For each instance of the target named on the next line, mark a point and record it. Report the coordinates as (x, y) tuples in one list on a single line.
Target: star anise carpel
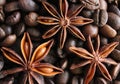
[(95, 56), (64, 19), (30, 63)]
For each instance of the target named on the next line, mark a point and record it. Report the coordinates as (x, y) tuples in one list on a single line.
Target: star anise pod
[(96, 56), (30, 62), (67, 19)]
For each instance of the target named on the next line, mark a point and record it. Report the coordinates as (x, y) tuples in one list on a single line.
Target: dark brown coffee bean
[(100, 81), (91, 30), (60, 53), (75, 80), (117, 39), (77, 71), (9, 40), (28, 5), (34, 33), (87, 13), (103, 4), (2, 15), (14, 18), (31, 18), (114, 9), (2, 2), (62, 78), (108, 31), (91, 4), (19, 29), (100, 17), (114, 20), (116, 54), (103, 40), (7, 29), (7, 80), (69, 43), (114, 71), (64, 63), (12, 6), (2, 33)]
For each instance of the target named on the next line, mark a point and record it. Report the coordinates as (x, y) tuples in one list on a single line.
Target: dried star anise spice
[(95, 57), (67, 19), (30, 63)]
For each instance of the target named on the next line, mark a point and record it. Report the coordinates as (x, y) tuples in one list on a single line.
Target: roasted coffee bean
[(70, 42), (87, 13), (2, 33), (108, 31), (75, 80), (34, 33), (12, 6), (2, 2), (28, 5), (77, 71), (14, 18), (90, 30), (114, 20), (60, 53), (31, 18), (103, 40), (100, 17), (64, 63), (114, 9), (7, 80), (2, 15), (62, 78), (19, 29), (116, 55), (103, 4), (9, 40), (117, 39), (73, 1), (114, 71), (91, 4), (100, 81), (7, 29)]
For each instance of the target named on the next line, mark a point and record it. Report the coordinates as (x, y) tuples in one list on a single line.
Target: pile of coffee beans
[(19, 16)]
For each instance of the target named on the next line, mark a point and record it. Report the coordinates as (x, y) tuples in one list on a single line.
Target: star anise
[(30, 62), (96, 56), (67, 19)]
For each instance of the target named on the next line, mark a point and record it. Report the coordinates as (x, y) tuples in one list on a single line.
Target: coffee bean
[(117, 39), (14, 18), (2, 15), (12, 6), (116, 55), (114, 20), (91, 4), (62, 78), (116, 82), (9, 40), (103, 40), (100, 17), (28, 5), (31, 18), (34, 33), (108, 31), (87, 13), (77, 71), (114, 9), (7, 29), (2, 33), (91, 30), (103, 4), (49, 81), (19, 29), (114, 71), (60, 53)]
